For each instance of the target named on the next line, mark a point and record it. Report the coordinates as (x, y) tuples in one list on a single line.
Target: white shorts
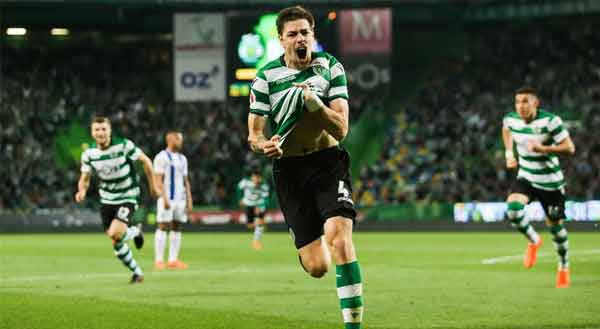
[(176, 211)]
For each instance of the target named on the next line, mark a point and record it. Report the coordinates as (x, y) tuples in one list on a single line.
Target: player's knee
[(555, 215), (315, 267), (515, 210)]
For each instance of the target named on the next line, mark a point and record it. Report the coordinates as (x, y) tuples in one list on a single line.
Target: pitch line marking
[(511, 258)]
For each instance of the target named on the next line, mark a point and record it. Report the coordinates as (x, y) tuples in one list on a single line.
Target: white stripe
[(134, 192), (261, 85), (350, 291), (260, 106), (347, 314), (279, 73), (562, 233), (336, 70), (562, 135), (289, 105), (544, 178), (124, 249), (343, 90), (554, 123)]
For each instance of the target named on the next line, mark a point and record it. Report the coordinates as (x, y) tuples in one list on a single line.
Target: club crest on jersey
[(320, 70)]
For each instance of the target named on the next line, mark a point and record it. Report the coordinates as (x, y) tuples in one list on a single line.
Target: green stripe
[(130, 153), (108, 156), (557, 131), (535, 158), (347, 274), (339, 81), (259, 112), (344, 96), (551, 185), (119, 179), (351, 302), (261, 97), (544, 171), (349, 325), (529, 130)]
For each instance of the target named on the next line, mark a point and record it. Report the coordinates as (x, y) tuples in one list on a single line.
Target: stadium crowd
[(446, 145)]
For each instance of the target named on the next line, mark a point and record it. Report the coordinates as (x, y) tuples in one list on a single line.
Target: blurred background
[(429, 83)]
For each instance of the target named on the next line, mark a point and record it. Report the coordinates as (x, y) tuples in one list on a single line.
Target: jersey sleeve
[(505, 122), (337, 85), (131, 150), (259, 95), (86, 165), (557, 129), (159, 164)]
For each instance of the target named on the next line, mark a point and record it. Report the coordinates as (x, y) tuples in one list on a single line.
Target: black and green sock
[(561, 242), (123, 252), (516, 215)]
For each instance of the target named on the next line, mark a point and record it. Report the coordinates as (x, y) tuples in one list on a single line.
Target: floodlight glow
[(16, 31)]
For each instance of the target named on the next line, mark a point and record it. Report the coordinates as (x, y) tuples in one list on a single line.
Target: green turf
[(411, 280)]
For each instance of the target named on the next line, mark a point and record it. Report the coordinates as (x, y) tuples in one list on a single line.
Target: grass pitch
[(411, 280)]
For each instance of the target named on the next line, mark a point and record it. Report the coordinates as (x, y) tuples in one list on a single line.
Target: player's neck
[(171, 149), (296, 64), (105, 145), (532, 116)]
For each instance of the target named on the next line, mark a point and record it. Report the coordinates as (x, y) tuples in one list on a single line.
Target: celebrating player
[(304, 95), (539, 137), (112, 161), (254, 197), (171, 176)]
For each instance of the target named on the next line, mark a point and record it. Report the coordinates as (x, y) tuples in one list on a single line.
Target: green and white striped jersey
[(114, 167), (541, 170), (252, 195), (273, 95)]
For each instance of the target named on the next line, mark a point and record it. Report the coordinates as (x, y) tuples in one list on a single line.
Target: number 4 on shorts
[(122, 214), (344, 193)]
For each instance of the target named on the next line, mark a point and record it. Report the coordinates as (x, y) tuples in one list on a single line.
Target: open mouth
[(301, 52)]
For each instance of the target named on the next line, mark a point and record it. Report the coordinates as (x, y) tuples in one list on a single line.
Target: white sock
[(258, 230), (131, 233), (532, 234), (160, 241), (175, 243)]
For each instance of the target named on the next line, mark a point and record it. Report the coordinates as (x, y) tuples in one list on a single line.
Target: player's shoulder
[(543, 114), (325, 57), (274, 64), (161, 154), (512, 115)]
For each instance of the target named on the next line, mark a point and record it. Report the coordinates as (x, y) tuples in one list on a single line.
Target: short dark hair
[(291, 14), (526, 90), (100, 119)]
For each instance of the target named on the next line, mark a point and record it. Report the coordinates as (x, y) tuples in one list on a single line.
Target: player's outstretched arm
[(147, 164), (257, 140), (82, 186), (334, 117), (511, 160)]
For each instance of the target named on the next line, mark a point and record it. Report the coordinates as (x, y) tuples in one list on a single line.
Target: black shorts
[(251, 214), (553, 202), (311, 189), (121, 212)]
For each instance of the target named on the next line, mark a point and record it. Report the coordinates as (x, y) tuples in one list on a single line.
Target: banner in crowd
[(199, 57), (496, 211), (365, 43), (230, 217)]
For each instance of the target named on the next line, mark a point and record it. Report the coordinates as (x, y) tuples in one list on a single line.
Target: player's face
[(297, 39), (101, 133), (175, 141), (256, 179), (526, 105)]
